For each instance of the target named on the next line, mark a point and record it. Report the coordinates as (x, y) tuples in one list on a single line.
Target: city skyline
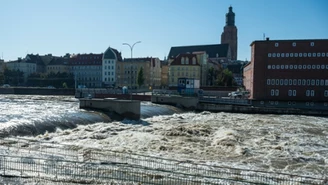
[(60, 27)]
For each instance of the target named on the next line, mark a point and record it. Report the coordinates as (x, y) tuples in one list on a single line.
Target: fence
[(25, 161)]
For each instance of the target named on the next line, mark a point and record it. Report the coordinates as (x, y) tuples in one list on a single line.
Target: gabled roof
[(177, 60), (212, 50), (112, 53)]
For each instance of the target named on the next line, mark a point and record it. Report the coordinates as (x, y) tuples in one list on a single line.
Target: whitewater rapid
[(278, 143)]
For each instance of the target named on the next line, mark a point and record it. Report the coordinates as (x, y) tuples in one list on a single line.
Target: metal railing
[(29, 161)]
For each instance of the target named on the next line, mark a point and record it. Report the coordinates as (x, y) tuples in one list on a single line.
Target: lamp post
[(131, 48)]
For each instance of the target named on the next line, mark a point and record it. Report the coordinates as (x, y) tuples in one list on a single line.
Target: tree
[(65, 85), (140, 79)]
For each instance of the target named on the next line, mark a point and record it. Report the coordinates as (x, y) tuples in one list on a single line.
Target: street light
[(131, 47)]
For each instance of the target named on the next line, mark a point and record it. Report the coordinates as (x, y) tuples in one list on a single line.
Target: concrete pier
[(126, 108)]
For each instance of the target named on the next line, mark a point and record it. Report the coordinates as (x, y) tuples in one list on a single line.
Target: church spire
[(230, 17)]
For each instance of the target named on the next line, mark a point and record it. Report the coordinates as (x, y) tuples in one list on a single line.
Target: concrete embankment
[(124, 108), (36, 91), (257, 110)]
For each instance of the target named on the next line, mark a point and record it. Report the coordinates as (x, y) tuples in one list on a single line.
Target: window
[(278, 66), (193, 60), (318, 66), (290, 92), (291, 54), (287, 54), (286, 82), (308, 82), (276, 44), (303, 82), (294, 92), (326, 82), (312, 92), (305, 54), (326, 93), (299, 82), (269, 54), (274, 55), (314, 54), (304, 66), (281, 82), (296, 54), (294, 44), (307, 92), (309, 66), (309, 54), (269, 66), (291, 67), (273, 67), (272, 92), (300, 54), (295, 66), (282, 66), (319, 54), (326, 66), (286, 66), (323, 54), (182, 60), (294, 82), (268, 81), (187, 60), (322, 66), (278, 54), (313, 66), (282, 54), (317, 82), (276, 92), (272, 82), (312, 43), (290, 82), (277, 81), (322, 82), (312, 82)]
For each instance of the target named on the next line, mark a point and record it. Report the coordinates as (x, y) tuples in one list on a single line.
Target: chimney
[(267, 38)]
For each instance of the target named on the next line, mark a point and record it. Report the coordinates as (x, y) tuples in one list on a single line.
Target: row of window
[(109, 79), (109, 62), (183, 68), (304, 66), (86, 67), (294, 103), (108, 73), (186, 60), (183, 74), (108, 67), (319, 54), (293, 44), (299, 82), (309, 93)]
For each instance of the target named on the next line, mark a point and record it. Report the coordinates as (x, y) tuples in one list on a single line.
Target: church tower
[(229, 34)]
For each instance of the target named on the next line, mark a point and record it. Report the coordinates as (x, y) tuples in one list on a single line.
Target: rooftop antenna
[(263, 36)]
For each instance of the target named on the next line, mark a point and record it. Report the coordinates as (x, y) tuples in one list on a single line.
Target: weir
[(126, 108)]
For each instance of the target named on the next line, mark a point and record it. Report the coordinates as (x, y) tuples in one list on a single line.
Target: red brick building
[(291, 71)]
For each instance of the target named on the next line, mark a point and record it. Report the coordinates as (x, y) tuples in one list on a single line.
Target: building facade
[(229, 35), (110, 65), (87, 69), (294, 71), (129, 68), (184, 66), (58, 65), (26, 66), (164, 73)]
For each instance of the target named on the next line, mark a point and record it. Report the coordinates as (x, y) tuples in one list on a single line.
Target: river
[(278, 143)]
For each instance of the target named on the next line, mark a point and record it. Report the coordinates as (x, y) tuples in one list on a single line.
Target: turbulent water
[(280, 143)]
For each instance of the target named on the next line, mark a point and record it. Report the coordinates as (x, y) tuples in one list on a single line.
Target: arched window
[(187, 60), (193, 60), (182, 60)]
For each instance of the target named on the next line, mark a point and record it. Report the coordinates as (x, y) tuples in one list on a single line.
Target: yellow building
[(58, 65), (184, 66), (127, 72)]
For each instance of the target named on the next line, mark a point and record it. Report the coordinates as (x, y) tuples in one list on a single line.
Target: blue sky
[(86, 26)]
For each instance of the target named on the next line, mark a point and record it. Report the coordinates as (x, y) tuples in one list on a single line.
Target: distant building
[(26, 66), (229, 35), (58, 65), (207, 56), (110, 65), (293, 72), (2, 66), (129, 68), (87, 69), (164, 73), (184, 66)]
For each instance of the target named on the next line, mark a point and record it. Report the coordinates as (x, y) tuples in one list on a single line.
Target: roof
[(177, 60), (211, 50), (112, 53), (35, 59), (289, 40), (144, 59), (58, 61)]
